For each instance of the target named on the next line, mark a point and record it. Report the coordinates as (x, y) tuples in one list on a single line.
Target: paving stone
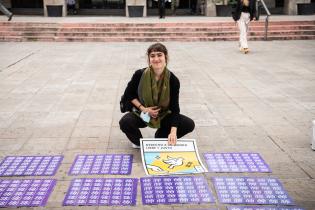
[(45, 145)]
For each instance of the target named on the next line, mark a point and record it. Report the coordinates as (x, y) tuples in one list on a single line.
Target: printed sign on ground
[(236, 162), (251, 190), (25, 192), (102, 192), (30, 165), (159, 158), (172, 190), (102, 164)]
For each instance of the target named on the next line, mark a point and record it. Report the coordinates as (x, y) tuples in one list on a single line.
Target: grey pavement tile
[(95, 118), (11, 145), (6, 118), (91, 131), (60, 118), (11, 104), (292, 142), (287, 170), (16, 132), (45, 145), (28, 118), (62, 172), (116, 133), (82, 143), (122, 144), (70, 103), (300, 190), (43, 101), (308, 167), (53, 131)]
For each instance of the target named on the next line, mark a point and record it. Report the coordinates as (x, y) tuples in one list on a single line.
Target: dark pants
[(130, 124), (193, 6), (71, 9), (5, 11), (162, 8)]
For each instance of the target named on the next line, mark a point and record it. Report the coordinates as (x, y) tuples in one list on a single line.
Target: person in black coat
[(161, 8), (244, 13), (154, 95)]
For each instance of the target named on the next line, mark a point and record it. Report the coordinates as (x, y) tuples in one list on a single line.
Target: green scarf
[(155, 93)]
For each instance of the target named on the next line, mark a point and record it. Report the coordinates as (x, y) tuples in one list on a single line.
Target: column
[(56, 2), (290, 6), (137, 3), (210, 8)]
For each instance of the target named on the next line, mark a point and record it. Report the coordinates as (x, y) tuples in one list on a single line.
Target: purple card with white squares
[(102, 164), (175, 189), (30, 165), (25, 192), (251, 190), (102, 192), (236, 162), (263, 208)]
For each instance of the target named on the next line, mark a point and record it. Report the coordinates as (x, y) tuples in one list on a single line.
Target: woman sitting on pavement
[(154, 92)]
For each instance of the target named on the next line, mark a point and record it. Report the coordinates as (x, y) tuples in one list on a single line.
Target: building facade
[(149, 7)]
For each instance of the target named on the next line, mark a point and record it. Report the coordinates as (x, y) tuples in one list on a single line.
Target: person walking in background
[(153, 93), (244, 13), (161, 8), (5, 11), (71, 7), (193, 7)]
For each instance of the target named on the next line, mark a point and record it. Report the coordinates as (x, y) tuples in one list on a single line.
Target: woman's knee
[(190, 125), (124, 123), (187, 124)]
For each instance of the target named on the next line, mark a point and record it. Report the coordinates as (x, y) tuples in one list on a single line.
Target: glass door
[(27, 3), (181, 7), (102, 4)]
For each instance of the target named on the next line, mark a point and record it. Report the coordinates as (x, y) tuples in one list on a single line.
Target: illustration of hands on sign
[(173, 162), (156, 168)]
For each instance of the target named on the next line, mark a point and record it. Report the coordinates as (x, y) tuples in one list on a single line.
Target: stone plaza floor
[(62, 99)]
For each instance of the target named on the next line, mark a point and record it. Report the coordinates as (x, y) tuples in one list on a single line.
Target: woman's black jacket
[(236, 14), (131, 93)]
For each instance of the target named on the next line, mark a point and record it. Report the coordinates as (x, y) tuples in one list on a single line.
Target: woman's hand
[(153, 111), (172, 137)]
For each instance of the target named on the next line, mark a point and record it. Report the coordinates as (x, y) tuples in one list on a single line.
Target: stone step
[(160, 29), (149, 39), (200, 24), (202, 31), (151, 34)]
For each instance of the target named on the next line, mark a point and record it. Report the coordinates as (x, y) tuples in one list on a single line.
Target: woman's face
[(157, 60)]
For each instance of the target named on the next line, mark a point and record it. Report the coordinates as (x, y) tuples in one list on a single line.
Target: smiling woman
[(153, 91)]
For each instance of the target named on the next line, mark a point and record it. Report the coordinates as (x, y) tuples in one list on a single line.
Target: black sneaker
[(10, 17)]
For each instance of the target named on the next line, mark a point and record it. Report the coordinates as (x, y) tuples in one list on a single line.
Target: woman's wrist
[(174, 130), (142, 108)]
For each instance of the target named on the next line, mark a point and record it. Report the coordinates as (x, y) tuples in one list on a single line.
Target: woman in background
[(243, 14)]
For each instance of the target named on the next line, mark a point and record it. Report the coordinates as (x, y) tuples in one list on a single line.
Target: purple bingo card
[(172, 190), (25, 192), (102, 192), (263, 208), (251, 190), (236, 162), (102, 164), (30, 165)]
